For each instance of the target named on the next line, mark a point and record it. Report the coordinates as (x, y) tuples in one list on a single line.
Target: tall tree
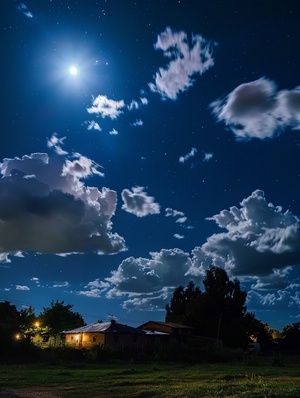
[(217, 312), (59, 317)]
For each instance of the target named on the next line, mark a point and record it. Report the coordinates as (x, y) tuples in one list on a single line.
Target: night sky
[(143, 141)]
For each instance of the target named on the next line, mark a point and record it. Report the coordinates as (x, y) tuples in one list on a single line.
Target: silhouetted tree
[(59, 317), (9, 318), (291, 337), (217, 312), (258, 331)]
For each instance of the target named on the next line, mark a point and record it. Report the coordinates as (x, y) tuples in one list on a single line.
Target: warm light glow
[(18, 336), (73, 70), (37, 324)]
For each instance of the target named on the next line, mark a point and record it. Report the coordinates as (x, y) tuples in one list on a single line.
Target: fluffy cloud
[(106, 107), (258, 110), (185, 62), (139, 203), (261, 241), (45, 207), (149, 279)]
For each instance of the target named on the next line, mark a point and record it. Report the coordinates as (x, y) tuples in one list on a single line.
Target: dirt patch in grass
[(27, 393)]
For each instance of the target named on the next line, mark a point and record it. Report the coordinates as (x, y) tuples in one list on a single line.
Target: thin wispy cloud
[(137, 123), (187, 59), (183, 159), (21, 7), (92, 125), (207, 156)]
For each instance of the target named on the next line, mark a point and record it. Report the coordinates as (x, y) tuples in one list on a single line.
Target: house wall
[(84, 340)]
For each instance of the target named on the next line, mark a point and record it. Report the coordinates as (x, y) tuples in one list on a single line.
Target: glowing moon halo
[(73, 70)]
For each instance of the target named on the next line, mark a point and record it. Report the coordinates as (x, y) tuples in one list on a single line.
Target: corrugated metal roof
[(94, 327)]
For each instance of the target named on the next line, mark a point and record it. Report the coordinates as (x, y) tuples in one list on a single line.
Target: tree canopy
[(59, 316), (217, 312)]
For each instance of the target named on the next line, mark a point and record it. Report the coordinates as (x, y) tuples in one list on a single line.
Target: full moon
[(73, 70)]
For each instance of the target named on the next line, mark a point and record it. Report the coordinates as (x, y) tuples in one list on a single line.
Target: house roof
[(105, 327), (169, 324)]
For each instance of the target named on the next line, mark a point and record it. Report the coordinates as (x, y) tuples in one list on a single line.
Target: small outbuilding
[(106, 334)]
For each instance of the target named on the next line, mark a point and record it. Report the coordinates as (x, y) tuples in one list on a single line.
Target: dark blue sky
[(174, 147)]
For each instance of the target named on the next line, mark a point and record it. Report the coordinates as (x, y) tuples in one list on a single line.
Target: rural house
[(163, 329), (106, 334)]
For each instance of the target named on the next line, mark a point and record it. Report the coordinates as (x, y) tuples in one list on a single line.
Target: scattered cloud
[(92, 125), (24, 10), (95, 288), (19, 287), (56, 143), (106, 107), (258, 110), (207, 156), (113, 132), (178, 236), (46, 207), (61, 284), (173, 213), (186, 60), (138, 122), (139, 203), (186, 157)]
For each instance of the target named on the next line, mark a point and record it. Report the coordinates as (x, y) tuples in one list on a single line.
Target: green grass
[(158, 380)]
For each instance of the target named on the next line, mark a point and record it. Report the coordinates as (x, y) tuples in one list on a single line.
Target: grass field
[(261, 380)]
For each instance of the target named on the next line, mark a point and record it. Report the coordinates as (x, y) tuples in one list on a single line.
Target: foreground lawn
[(155, 380)]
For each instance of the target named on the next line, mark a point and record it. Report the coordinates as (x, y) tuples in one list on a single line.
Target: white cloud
[(19, 287), (186, 157), (173, 213), (186, 61), (113, 132), (106, 107), (181, 220), (61, 284), (144, 100), (56, 143), (178, 236), (95, 293), (207, 156), (138, 122), (133, 105), (258, 110), (261, 241), (92, 125), (47, 208), (81, 167), (24, 10), (148, 279), (139, 203), (276, 301)]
